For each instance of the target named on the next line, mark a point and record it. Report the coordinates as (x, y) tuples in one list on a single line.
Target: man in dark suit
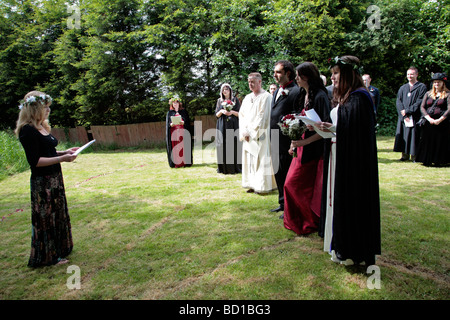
[(284, 102), (374, 92)]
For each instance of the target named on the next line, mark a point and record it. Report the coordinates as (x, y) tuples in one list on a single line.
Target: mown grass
[(144, 231)]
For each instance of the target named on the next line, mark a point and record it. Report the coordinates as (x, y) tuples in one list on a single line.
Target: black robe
[(408, 99), (228, 146), (356, 217), (188, 141), (434, 145)]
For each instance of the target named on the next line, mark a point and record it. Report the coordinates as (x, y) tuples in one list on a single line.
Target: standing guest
[(324, 79), (285, 101), (304, 181), (273, 87), (330, 90), (374, 92), (353, 215), (434, 145), (227, 143), (178, 135), (51, 239), (254, 122), (409, 98)]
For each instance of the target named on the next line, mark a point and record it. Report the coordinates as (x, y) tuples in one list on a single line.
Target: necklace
[(42, 130), (254, 96)]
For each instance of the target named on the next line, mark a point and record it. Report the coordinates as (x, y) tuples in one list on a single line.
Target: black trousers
[(284, 163)]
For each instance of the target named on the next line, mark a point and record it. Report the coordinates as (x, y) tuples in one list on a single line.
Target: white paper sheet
[(84, 147), (409, 122), (312, 118)]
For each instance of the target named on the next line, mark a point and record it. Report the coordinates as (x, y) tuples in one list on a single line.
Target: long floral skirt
[(51, 237)]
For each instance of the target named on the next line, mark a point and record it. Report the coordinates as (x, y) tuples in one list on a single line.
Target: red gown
[(176, 132), (304, 181), (302, 195)]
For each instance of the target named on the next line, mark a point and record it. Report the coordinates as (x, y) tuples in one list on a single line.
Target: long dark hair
[(221, 91), (315, 82), (349, 78)]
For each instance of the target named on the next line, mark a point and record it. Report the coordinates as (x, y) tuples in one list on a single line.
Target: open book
[(83, 147), (312, 118)]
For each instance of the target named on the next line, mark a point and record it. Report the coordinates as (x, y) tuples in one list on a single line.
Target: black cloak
[(356, 217), (408, 99)]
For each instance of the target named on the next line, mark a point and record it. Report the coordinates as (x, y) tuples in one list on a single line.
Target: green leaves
[(127, 58)]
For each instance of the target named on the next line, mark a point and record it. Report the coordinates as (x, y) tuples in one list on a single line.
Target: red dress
[(302, 195), (176, 132)]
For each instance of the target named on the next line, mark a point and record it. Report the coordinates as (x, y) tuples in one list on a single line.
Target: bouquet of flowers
[(228, 105), (292, 127)]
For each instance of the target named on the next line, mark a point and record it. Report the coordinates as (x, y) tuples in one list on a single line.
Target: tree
[(127, 58), (117, 82), (29, 30)]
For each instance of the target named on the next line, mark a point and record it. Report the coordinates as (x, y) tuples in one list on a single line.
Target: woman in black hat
[(434, 145)]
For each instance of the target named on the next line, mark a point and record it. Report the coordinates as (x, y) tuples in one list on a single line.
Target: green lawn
[(142, 230)]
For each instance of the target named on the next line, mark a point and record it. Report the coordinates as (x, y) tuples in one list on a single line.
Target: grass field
[(144, 231)]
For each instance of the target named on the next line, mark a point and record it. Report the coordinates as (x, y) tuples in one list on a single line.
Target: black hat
[(439, 76)]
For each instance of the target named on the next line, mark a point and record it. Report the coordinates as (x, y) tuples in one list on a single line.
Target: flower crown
[(42, 98), (336, 61), (174, 98)]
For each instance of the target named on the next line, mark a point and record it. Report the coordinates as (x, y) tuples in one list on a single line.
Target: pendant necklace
[(254, 96)]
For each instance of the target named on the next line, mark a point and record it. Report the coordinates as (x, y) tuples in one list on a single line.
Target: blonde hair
[(33, 113), (442, 95)]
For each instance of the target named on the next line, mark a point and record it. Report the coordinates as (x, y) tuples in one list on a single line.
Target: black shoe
[(277, 209), (281, 217)]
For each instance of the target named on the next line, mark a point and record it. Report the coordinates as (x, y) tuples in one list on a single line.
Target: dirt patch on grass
[(440, 279)]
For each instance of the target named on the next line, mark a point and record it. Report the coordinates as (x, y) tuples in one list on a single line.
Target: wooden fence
[(128, 135)]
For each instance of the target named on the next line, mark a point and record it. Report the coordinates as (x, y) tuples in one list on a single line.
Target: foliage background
[(125, 59)]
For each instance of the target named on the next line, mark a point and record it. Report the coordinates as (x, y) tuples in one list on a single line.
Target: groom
[(284, 102)]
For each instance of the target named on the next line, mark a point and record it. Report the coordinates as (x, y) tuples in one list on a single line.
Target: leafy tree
[(29, 30), (179, 33), (409, 33), (116, 86), (127, 58)]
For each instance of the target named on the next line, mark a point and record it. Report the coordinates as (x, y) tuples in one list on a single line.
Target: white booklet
[(311, 118), (84, 147), (409, 122), (176, 119)]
